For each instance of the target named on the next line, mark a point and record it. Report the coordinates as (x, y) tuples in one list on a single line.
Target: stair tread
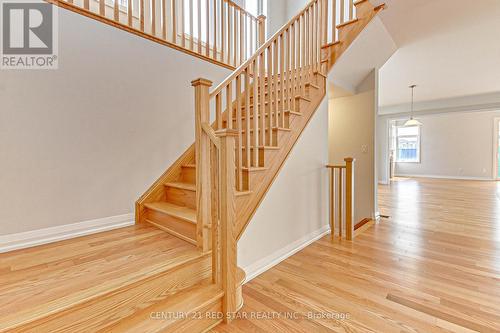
[(185, 303), (171, 209), (82, 269), (182, 185)]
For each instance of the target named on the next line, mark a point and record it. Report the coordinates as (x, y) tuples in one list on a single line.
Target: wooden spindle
[(255, 122), (215, 210), (153, 17), (174, 21), (164, 19), (229, 106), (349, 197), (239, 144), (216, 14), (342, 11), (332, 202), (247, 117), (182, 23), (129, 13), (275, 83), (242, 38), (294, 69), (223, 31), (351, 9), (116, 11), (207, 46), (218, 111), (269, 89), (141, 17), (281, 102), (334, 21), (252, 45), (302, 48), (340, 202), (229, 33), (199, 26), (286, 101), (86, 4), (102, 7), (191, 25), (262, 100), (235, 37)]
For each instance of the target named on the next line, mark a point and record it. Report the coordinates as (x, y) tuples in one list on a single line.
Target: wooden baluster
[(228, 223), (182, 23), (215, 209), (223, 32), (245, 29), (141, 18), (351, 9), (286, 101), (317, 46), (229, 106), (294, 69), (340, 202), (262, 100), (242, 38), (216, 13), (153, 17), (310, 42), (129, 13), (202, 151), (252, 45), (235, 37), (116, 11), (255, 113), (342, 11), (164, 19), (207, 46), (332, 202), (303, 53), (275, 83), (334, 21), (269, 89), (102, 7), (239, 150), (191, 25), (247, 117), (281, 102), (218, 111), (324, 22), (229, 33), (174, 21), (199, 26), (349, 197), (86, 4)]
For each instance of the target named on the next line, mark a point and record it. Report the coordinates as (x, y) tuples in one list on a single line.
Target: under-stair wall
[(82, 142)]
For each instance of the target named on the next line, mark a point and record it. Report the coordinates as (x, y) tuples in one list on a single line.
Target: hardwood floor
[(433, 266)]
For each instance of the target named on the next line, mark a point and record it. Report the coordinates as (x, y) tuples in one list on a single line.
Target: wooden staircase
[(196, 212)]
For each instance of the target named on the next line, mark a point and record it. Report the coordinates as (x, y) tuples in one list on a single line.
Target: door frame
[(496, 129)]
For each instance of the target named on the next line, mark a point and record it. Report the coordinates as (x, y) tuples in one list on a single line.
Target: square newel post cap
[(261, 17), (349, 159), (226, 132), (201, 82)]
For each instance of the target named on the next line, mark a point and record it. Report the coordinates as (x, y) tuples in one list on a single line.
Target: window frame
[(419, 139)]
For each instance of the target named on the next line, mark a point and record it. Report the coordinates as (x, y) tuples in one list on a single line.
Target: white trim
[(275, 258), (444, 177), (494, 173), (53, 234)]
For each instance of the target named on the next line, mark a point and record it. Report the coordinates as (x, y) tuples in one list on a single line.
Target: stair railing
[(341, 199), (216, 30), (236, 120)]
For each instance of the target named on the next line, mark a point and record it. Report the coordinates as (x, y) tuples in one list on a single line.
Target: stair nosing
[(181, 185), (158, 209)]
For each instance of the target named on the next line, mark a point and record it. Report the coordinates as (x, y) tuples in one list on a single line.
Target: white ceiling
[(449, 48)]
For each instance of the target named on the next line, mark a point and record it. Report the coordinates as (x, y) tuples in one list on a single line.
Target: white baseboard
[(444, 177), (53, 234), (275, 258)]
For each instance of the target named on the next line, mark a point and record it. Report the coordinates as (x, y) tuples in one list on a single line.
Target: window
[(407, 144)]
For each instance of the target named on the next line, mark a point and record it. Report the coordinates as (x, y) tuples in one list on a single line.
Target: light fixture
[(412, 121)]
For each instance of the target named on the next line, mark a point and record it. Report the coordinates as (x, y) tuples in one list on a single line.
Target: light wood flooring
[(433, 266)]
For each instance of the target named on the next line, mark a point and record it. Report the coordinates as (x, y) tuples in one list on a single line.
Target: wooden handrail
[(208, 129)]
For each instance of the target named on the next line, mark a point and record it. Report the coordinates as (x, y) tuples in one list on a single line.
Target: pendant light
[(412, 121)]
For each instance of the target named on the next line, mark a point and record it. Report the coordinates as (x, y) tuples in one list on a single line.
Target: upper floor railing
[(216, 30)]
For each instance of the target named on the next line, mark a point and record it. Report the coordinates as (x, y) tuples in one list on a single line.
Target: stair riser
[(188, 175), (181, 197), (90, 317), (251, 179), (174, 225)]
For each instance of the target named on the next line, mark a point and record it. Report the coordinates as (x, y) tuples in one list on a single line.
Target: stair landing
[(135, 265)]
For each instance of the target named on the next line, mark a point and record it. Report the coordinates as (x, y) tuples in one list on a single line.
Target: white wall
[(454, 145), (85, 141), (295, 210), (352, 134)]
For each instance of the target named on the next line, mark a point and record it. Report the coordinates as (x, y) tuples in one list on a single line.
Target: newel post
[(202, 156), (228, 221), (349, 197), (262, 29)]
